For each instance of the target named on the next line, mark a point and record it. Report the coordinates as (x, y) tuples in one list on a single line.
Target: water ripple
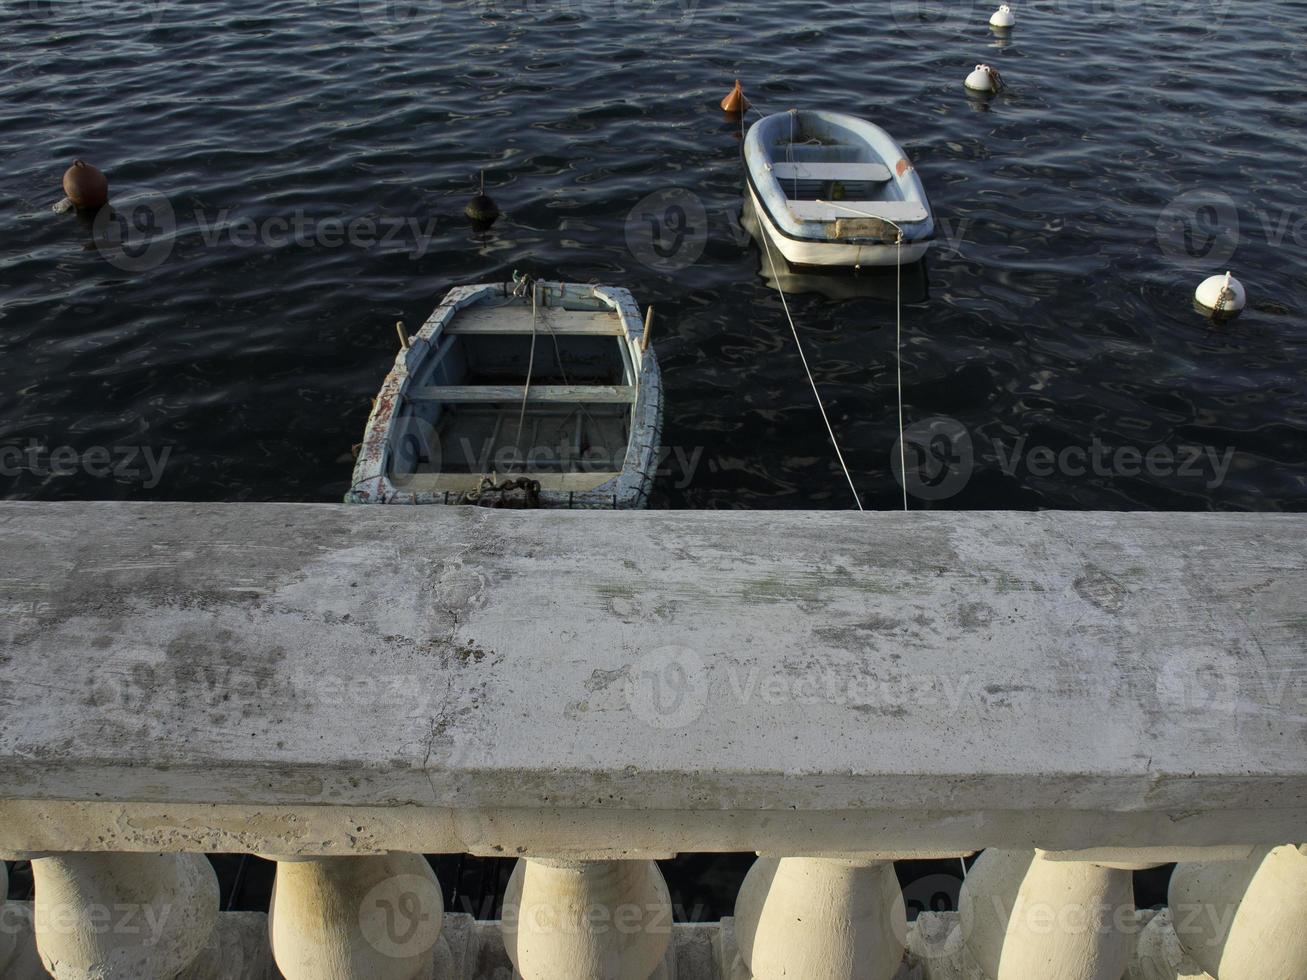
[(1057, 310)]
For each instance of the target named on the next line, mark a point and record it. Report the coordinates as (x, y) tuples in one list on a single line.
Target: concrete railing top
[(327, 679)]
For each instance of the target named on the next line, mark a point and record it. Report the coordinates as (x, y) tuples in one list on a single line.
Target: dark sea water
[(1141, 145)]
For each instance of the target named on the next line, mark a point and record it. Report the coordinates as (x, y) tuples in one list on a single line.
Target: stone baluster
[(1244, 920), (129, 916), (1025, 914), (820, 919), (588, 920), (358, 918), (1159, 955)]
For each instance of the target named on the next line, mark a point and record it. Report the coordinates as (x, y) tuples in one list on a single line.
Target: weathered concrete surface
[(835, 681)]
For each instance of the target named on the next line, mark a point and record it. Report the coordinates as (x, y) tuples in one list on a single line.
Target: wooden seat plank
[(517, 320), (536, 393), (898, 211), (875, 173)]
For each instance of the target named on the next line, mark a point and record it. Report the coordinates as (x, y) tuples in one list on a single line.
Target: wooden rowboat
[(836, 190), (526, 393)]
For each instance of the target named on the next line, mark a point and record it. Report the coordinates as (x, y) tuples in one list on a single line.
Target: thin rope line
[(898, 334), (898, 357), (799, 344), (530, 367), (558, 356)]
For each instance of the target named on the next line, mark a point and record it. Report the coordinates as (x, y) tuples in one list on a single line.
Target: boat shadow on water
[(835, 283)]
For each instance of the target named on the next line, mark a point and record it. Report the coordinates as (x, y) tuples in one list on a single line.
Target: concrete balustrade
[(358, 918), (568, 919), (350, 688), (820, 919), (1159, 956), (147, 916), (1244, 920), (1025, 916)]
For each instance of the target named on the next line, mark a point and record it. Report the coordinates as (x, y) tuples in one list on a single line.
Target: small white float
[(1221, 296), (984, 80), (1002, 18), (525, 393)]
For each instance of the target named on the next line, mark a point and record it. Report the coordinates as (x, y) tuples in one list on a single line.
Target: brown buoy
[(86, 186), (481, 209), (735, 102)]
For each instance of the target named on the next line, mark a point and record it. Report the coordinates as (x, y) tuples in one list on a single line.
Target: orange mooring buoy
[(735, 101), (86, 186)]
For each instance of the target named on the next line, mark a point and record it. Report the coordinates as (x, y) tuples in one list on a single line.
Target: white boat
[(519, 394), (835, 190)]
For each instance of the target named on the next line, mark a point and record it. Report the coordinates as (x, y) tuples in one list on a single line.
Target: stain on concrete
[(1100, 589)]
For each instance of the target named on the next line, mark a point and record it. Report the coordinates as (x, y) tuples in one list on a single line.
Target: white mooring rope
[(898, 334), (530, 368), (898, 329), (816, 394)]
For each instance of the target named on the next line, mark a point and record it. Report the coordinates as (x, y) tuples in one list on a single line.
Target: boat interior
[(822, 160), (489, 400)]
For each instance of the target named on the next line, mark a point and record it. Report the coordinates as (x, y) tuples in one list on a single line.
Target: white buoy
[(984, 79), (1221, 295), (1002, 17)]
